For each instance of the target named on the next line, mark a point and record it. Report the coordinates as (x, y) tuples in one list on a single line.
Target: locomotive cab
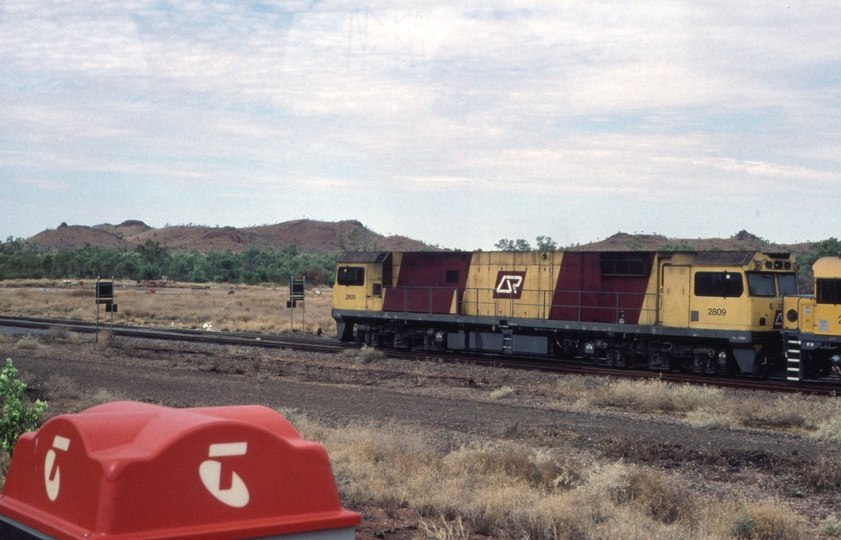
[(360, 280), (737, 295), (812, 335)]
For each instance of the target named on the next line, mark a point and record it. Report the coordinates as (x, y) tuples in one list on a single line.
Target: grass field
[(240, 308)]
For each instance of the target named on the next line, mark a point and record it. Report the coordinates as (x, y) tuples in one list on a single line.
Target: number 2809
[(717, 312), (350, 297)]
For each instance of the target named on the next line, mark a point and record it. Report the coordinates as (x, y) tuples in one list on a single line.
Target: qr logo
[(509, 284)]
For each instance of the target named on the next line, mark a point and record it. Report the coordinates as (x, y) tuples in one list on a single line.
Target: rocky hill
[(741, 241), (321, 236), (310, 236)]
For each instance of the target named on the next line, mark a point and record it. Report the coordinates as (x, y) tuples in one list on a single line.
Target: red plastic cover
[(130, 470)]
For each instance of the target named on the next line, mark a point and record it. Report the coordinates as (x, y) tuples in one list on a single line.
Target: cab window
[(788, 284), (828, 291), (351, 275), (720, 284), (761, 284)]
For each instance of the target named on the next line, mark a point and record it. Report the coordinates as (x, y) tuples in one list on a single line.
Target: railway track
[(331, 346), (581, 368), (297, 342)]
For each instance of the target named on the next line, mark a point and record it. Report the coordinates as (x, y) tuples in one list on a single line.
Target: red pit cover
[(131, 471)]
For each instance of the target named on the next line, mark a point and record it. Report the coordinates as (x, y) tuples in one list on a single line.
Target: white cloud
[(566, 101)]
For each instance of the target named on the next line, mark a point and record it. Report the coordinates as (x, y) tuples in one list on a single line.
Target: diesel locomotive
[(711, 312)]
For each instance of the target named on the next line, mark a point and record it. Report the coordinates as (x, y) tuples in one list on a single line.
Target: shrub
[(18, 416), (829, 431), (830, 526), (27, 342), (823, 473), (768, 520), (503, 392), (368, 354)]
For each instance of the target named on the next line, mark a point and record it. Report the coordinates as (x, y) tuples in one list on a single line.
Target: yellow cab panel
[(827, 307), (360, 279), (739, 291), (799, 313), (675, 288)]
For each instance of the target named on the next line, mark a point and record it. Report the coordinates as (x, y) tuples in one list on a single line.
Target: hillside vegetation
[(295, 249), (308, 236)]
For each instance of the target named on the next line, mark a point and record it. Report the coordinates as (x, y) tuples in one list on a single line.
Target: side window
[(828, 291), (351, 276), (720, 284)]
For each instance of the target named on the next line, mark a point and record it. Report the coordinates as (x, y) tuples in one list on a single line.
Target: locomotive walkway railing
[(566, 305)]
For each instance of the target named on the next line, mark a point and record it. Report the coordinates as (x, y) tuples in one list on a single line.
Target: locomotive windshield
[(761, 284), (788, 284)]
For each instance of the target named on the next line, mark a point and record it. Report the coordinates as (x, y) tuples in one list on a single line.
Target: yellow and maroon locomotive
[(709, 312)]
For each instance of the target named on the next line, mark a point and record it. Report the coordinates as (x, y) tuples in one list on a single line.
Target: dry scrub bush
[(365, 354), (829, 431), (655, 396), (823, 473), (61, 390), (448, 530), (767, 520), (28, 342), (830, 526), (502, 392)]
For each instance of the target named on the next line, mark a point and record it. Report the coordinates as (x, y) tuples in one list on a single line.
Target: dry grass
[(65, 393), (260, 309), (510, 490), (502, 392), (831, 526), (28, 342), (702, 406), (829, 431), (768, 520), (365, 354)]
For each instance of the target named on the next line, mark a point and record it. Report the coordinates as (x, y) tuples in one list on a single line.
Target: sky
[(457, 123)]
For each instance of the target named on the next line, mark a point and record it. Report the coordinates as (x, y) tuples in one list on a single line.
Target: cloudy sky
[(452, 122)]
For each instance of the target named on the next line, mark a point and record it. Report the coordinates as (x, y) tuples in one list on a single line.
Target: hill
[(310, 236), (741, 241), (321, 237)]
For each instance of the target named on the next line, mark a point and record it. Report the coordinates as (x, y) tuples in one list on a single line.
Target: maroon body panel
[(584, 294), (428, 281)]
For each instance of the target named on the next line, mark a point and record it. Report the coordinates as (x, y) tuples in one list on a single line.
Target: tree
[(545, 243), (513, 245), (830, 247), (154, 253)]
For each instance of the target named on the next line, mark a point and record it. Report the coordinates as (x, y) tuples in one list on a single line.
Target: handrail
[(538, 303)]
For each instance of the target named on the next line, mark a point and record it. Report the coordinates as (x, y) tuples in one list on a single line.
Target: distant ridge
[(312, 236), (308, 235), (742, 240)]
